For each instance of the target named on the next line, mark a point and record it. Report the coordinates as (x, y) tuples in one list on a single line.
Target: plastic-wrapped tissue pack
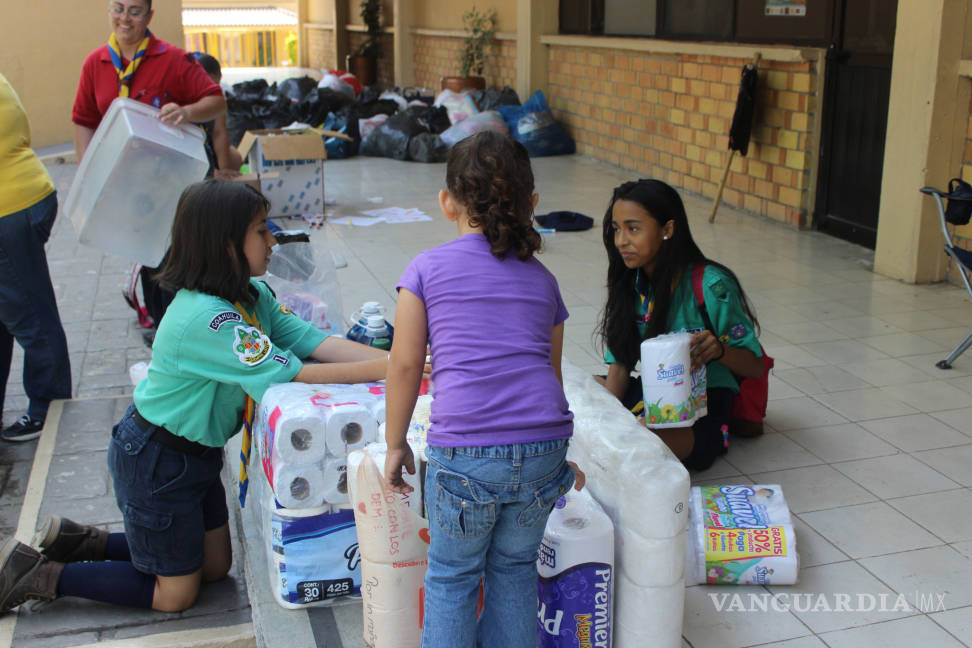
[(304, 433), (675, 394), (575, 566), (741, 535), (393, 539), (644, 490)]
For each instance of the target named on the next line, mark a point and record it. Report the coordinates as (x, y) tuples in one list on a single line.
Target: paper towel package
[(124, 195), (644, 489), (675, 394), (741, 535), (575, 566), (393, 540)]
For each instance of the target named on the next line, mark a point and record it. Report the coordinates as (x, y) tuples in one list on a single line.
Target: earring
[(664, 238)]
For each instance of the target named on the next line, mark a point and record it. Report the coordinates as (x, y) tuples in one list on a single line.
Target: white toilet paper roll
[(348, 427), (378, 410), (659, 508), (298, 487), (651, 562), (299, 440), (336, 480), (648, 615)]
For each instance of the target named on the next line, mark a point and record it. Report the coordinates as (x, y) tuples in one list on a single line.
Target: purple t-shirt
[(490, 324)]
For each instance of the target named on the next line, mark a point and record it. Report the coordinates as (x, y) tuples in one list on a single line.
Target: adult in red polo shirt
[(154, 72)]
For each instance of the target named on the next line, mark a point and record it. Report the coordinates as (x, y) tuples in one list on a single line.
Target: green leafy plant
[(480, 28), (371, 15)]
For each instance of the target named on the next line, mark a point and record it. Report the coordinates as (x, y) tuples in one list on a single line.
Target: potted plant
[(363, 63), (480, 29)]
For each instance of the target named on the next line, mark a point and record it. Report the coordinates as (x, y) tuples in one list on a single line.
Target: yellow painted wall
[(44, 45), (447, 14)]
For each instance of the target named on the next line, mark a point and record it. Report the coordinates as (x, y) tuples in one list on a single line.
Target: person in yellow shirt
[(28, 310)]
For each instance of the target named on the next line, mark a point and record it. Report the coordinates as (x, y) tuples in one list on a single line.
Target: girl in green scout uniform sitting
[(223, 341), (651, 256)]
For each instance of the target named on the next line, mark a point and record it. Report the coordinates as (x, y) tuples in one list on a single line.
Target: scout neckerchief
[(249, 410), (125, 74), (647, 305)]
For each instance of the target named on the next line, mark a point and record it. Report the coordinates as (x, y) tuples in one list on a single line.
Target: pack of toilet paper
[(304, 432), (741, 535), (393, 540), (378, 452), (575, 567), (312, 554), (675, 394), (644, 489)]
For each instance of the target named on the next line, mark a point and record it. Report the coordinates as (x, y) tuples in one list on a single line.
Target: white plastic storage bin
[(124, 195)]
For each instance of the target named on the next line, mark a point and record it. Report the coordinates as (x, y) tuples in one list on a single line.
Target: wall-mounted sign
[(786, 7)]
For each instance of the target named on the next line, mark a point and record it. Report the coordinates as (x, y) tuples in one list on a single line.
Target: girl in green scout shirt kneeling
[(651, 257), (222, 342)]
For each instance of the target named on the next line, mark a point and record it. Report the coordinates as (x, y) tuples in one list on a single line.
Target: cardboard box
[(290, 166)]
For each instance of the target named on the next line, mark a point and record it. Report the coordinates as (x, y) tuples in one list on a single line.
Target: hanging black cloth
[(742, 119)]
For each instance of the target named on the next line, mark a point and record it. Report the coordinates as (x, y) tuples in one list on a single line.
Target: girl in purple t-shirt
[(494, 320)]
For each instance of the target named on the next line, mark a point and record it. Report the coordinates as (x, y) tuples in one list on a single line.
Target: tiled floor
[(871, 443)]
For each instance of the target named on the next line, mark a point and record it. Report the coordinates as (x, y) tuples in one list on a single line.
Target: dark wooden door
[(855, 119)]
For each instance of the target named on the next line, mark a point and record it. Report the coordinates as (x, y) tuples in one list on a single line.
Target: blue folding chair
[(957, 212)]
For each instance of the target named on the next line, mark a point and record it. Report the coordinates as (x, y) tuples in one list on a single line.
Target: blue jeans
[(487, 508), (28, 310)]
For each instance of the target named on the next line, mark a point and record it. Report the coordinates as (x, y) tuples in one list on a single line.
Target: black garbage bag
[(492, 99), (427, 147), (412, 93), (358, 110), (315, 107), (296, 88), (391, 138), (434, 118), (369, 95), (250, 91)]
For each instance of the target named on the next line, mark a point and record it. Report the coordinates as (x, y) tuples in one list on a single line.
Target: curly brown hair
[(490, 176)]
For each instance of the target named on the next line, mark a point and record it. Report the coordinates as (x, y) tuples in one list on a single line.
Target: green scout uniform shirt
[(725, 308), (206, 355)]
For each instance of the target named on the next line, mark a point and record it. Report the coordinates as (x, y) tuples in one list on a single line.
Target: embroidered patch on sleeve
[(282, 359), (285, 310), (719, 290), (251, 346), (738, 331), (222, 318)]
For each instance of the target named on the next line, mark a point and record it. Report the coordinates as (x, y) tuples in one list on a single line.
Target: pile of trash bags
[(403, 124)]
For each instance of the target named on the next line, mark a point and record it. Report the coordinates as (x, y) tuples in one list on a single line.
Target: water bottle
[(359, 321), (377, 333)]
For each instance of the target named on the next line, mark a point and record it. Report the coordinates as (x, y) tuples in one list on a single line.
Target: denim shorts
[(169, 499)]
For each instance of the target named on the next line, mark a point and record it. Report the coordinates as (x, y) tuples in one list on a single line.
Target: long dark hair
[(618, 329), (489, 174), (207, 239)]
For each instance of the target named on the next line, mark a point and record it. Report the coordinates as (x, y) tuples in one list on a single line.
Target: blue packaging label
[(575, 607), (320, 558)]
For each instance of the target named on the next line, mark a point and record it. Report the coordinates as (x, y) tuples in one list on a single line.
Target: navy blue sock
[(117, 548), (115, 581)]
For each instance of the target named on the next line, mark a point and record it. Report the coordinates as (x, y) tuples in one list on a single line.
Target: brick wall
[(320, 48), (668, 115), (438, 56), (386, 64)]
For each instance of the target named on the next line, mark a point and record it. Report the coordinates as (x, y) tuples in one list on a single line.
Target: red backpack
[(749, 405)]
